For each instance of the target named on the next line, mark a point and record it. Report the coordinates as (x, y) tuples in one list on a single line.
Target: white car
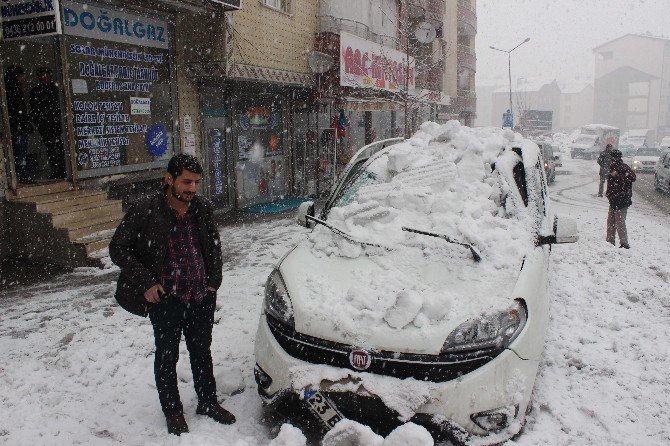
[(421, 292), (662, 173), (645, 159)]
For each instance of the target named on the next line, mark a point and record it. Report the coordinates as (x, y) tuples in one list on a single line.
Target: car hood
[(645, 158), (366, 302)]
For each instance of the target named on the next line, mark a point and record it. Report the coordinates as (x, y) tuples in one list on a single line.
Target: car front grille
[(435, 368)]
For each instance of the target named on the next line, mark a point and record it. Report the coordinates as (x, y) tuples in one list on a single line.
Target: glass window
[(281, 5), (122, 91)]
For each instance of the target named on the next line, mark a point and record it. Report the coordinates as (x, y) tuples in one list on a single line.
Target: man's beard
[(181, 197)]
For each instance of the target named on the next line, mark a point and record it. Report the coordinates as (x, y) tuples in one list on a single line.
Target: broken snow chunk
[(409, 434), (407, 306), (351, 433), (289, 436)]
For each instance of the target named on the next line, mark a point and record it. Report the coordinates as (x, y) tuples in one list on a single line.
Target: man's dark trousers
[(170, 317)]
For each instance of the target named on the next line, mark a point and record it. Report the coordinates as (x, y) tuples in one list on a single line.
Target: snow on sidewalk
[(77, 369)]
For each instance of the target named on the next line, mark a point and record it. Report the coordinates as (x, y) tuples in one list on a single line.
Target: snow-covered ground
[(77, 369)]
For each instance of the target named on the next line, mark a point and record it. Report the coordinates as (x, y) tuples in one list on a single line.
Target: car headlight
[(277, 302), (492, 330), (635, 161)]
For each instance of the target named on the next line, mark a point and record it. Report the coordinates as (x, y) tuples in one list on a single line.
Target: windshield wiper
[(475, 255), (341, 233)]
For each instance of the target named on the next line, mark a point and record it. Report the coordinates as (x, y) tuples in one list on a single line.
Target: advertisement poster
[(366, 64), (122, 93), (260, 150)]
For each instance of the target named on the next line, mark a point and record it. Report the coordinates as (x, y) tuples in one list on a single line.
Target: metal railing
[(329, 23)]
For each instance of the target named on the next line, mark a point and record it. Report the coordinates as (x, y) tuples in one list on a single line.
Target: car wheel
[(657, 185)]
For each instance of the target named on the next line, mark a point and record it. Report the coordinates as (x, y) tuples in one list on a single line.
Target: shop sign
[(366, 64), (121, 26), (157, 140), (431, 96), (26, 18), (140, 106)]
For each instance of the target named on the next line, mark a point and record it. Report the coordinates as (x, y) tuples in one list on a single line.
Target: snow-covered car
[(662, 173), (421, 292), (645, 159)]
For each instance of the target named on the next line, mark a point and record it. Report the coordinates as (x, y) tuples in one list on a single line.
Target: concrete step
[(81, 224), (87, 231), (93, 244), (42, 189), (70, 202), (87, 212)]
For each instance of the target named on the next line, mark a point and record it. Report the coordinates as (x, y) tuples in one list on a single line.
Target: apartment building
[(632, 83)]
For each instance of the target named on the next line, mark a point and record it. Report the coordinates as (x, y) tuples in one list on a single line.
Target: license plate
[(322, 408)]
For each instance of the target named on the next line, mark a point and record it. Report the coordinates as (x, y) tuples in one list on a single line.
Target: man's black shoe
[(176, 424), (216, 413), (625, 246)]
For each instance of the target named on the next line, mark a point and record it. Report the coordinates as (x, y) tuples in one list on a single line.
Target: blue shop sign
[(114, 25), (157, 140)]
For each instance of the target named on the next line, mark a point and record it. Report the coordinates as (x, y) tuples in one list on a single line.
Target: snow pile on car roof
[(442, 181)]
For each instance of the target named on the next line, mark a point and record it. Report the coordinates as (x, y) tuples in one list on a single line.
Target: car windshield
[(648, 152), (586, 139), (361, 178)]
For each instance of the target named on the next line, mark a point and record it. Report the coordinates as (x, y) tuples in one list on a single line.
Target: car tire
[(657, 185)]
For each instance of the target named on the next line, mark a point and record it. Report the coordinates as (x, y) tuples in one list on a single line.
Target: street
[(644, 187), (78, 369)]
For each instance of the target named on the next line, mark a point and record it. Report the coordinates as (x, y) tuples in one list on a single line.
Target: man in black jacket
[(169, 253), (19, 121)]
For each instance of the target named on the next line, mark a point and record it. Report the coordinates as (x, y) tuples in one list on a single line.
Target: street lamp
[(509, 71)]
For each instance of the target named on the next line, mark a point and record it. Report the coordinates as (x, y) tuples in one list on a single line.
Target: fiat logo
[(360, 359)]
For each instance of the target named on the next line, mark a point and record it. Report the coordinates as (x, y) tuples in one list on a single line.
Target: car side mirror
[(565, 231), (305, 209)]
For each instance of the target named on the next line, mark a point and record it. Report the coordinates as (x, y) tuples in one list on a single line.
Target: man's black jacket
[(140, 244)]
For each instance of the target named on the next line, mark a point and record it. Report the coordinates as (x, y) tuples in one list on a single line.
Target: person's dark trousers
[(55, 155), (170, 318), (20, 149)]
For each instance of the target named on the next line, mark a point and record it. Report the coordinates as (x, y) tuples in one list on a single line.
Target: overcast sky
[(562, 34)]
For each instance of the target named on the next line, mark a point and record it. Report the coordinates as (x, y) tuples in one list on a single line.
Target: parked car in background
[(411, 299), (662, 173), (592, 139), (645, 159), (549, 160), (665, 143)]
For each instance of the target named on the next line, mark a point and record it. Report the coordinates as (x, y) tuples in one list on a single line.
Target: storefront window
[(120, 79), (261, 168)]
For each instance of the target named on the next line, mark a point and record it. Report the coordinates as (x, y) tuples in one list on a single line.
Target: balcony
[(467, 19), (466, 57), (466, 101), (430, 79), (329, 23), (431, 11)]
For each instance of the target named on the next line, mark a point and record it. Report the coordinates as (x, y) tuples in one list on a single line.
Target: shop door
[(218, 186), (33, 89)]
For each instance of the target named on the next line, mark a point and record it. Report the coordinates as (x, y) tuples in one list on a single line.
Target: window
[(280, 5), (607, 55)]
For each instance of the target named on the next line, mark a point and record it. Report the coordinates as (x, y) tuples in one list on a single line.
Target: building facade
[(632, 84), (576, 106)]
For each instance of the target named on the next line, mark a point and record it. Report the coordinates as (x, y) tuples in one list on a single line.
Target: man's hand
[(154, 294), (209, 288), (613, 173)]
